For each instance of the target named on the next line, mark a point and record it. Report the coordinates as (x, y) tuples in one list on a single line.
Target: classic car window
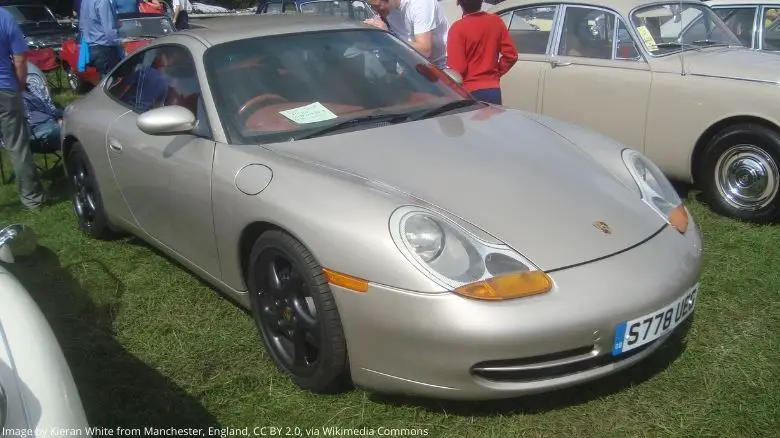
[(276, 7), (625, 46), (587, 33), (531, 28), (278, 88), (144, 27), (349, 9), (161, 76), (771, 34), (669, 28), (740, 20)]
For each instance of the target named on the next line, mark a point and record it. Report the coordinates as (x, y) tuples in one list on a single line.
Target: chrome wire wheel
[(83, 194), (288, 314), (747, 177)]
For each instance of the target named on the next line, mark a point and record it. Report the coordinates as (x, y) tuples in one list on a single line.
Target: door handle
[(114, 145), (558, 63)]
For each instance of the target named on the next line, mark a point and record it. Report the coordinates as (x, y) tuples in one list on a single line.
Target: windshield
[(144, 27), (353, 10), (33, 14), (667, 28), (279, 88)]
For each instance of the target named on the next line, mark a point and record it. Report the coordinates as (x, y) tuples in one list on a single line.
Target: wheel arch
[(713, 130), (250, 233)]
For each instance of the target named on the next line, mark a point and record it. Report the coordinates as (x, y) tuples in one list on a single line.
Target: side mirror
[(455, 76), (166, 120), (16, 241)]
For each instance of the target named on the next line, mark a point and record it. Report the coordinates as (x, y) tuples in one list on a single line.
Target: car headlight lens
[(459, 261), (657, 191)]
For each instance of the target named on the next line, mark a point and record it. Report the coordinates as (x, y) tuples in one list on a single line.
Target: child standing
[(474, 44)]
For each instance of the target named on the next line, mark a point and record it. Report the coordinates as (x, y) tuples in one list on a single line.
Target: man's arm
[(424, 21), (19, 49), (508, 52), (177, 5)]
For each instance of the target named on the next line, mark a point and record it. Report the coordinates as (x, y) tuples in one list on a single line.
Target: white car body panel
[(40, 390)]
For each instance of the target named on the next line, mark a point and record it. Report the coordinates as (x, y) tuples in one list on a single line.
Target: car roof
[(622, 6), (741, 2), (224, 29)]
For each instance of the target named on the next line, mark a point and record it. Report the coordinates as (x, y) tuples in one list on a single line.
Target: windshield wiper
[(676, 45), (449, 106), (709, 43), (390, 118)]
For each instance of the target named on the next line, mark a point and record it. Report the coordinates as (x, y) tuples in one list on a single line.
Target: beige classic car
[(692, 98)]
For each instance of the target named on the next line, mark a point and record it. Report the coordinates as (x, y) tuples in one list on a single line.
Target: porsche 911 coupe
[(386, 230)]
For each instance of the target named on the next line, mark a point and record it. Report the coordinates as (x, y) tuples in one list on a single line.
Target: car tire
[(85, 195), (741, 173), (301, 299)]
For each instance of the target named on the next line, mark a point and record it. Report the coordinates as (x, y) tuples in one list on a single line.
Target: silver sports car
[(385, 229)]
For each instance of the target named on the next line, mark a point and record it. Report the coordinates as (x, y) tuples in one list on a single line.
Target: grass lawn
[(151, 345)]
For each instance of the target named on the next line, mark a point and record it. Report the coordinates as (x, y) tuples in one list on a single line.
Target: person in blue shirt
[(99, 32), (13, 123)]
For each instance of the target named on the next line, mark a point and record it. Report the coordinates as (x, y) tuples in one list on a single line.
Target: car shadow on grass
[(116, 388), (639, 373)]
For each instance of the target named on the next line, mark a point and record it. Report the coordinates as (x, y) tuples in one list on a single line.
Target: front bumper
[(450, 347)]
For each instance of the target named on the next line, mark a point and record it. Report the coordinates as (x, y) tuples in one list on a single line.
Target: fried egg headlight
[(657, 192), (460, 261)]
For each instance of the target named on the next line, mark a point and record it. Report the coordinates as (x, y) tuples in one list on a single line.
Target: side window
[(587, 33), (158, 77), (625, 47), (531, 28), (177, 67), (740, 21), (771, 34), (121, 84)]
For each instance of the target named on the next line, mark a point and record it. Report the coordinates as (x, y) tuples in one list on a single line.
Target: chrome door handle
[(557, 63), (114, 145)]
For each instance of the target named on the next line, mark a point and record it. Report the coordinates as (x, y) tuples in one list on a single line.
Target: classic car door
[(596, 77), (531, 30), (166, 179)]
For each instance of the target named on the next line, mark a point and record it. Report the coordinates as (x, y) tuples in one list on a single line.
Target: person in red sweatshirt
[(474, 44)]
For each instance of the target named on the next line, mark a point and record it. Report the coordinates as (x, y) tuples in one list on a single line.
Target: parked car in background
[(676, 84), (39, 25), (348, 9), (755, 23), (497, 253), (453, 12), (136, 30), (37, 391)]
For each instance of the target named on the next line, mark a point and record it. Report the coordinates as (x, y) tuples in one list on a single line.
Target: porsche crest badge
[(603, 227)]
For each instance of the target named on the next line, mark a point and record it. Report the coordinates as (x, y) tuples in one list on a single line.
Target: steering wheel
[(257, 100)]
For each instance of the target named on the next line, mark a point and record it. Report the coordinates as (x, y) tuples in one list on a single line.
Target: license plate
[(645, 329)]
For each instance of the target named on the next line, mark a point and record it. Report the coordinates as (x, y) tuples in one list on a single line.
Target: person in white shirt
[(181, 13), (419, 22)]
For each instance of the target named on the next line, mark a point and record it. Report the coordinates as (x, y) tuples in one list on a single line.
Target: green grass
[(151, 345)]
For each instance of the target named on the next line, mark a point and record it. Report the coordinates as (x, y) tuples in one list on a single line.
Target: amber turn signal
[(346, 281), (678, 218), (509, 286)]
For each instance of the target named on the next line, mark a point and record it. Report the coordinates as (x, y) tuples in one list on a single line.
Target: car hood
[(736, 63), (505, 173)]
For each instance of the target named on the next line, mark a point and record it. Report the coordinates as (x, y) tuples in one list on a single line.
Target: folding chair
[(43, 147)]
